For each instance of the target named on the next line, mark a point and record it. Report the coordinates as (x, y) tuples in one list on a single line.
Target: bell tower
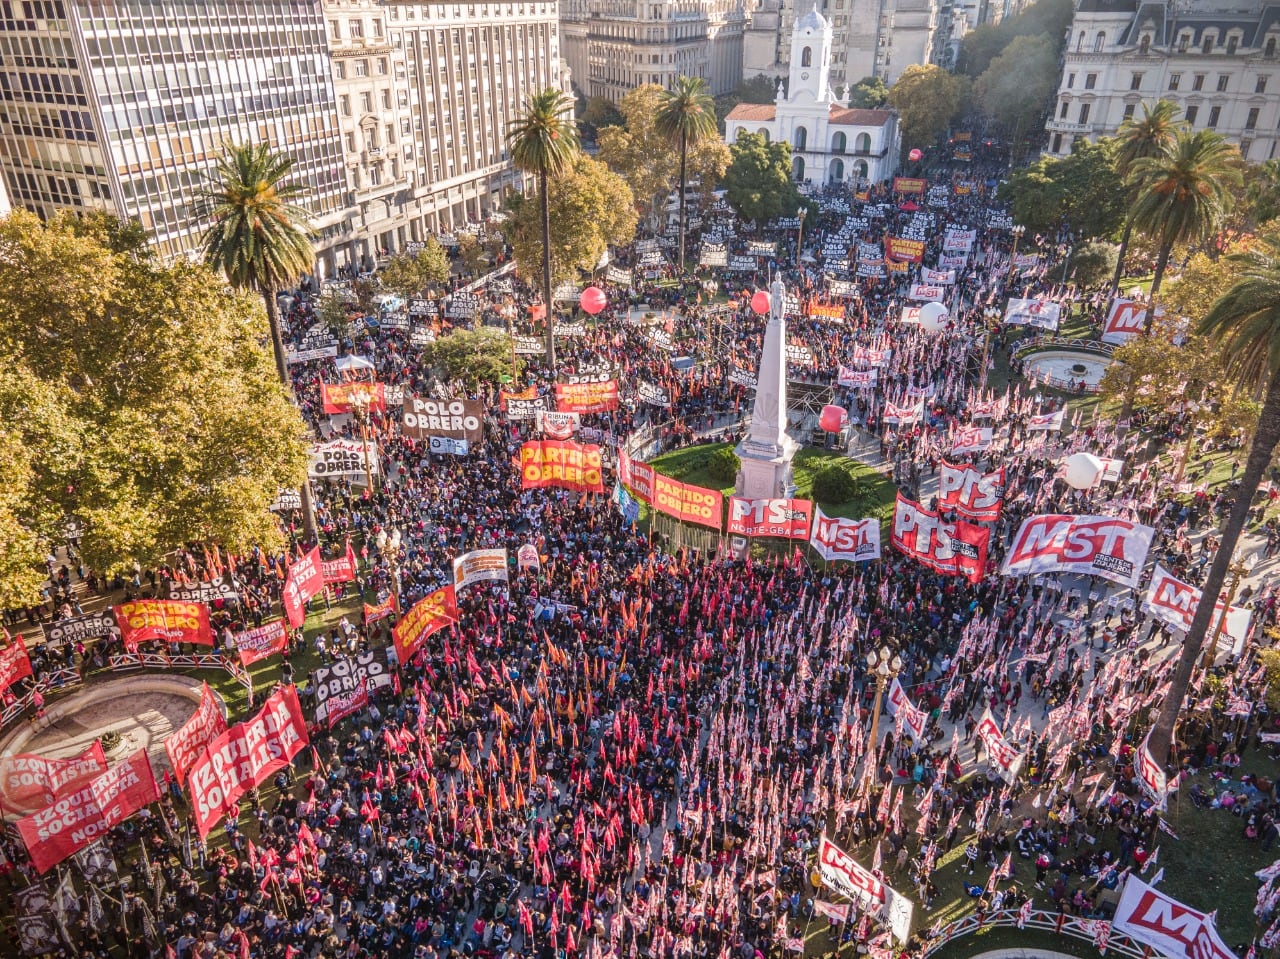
[(810, 57)]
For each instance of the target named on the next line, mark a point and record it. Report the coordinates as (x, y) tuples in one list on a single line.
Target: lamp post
[(1017, 231), (1237, 569), (990, 317), (361, 402), (800, 235), (885, 664)]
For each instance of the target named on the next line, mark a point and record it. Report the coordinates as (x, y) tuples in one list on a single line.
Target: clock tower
[(810, 59)]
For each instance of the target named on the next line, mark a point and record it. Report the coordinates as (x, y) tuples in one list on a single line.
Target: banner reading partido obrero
[(433, 612), (163, 619), (561, 463)]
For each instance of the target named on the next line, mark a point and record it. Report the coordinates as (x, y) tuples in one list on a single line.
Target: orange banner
[(569, 465), (900, 248), (434, 611), (908, 184), (691, 504), (587, 397), (338, 397), (827, 311)]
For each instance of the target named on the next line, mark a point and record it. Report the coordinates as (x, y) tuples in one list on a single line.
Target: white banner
[(938, 277), (652, 394), (971, 439), (479, 566), (1174, 602), (1001, 753), (1105, 546), (841, 872), (926, 293), (1152, 776), (341, 458), (1047, 421), (1040, 313), (1149, 916), (903, 415), (856, 379), (854, 540), (558, 426)]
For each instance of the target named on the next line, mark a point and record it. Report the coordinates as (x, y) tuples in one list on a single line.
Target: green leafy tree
[(1047, 18), (1091, 263), (1263, 191), (601, 113), (544, 142), (926, 98), (709, 161), (639, 152), (333, 309), (1016, 88), (1245, 323), (1184, 192), (472, 254), (1081, 190), (1148, 136), (480, 355), (869, 93), (758, 184), (260, 239), (591, 209), (408, 274), (686, 118), (1203, 281)]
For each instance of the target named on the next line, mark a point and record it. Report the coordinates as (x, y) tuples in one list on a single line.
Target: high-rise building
[(1218, 60), (614, 46), (124, 105), (878, 38)]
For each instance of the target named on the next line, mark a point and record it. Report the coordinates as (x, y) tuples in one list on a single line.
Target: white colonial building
[(830, 142), (1216, 59)]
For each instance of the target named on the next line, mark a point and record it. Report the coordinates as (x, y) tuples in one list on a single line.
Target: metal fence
[(1098, 932)]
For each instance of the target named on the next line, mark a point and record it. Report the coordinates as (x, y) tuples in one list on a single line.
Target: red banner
[(303, 581), (192, 738), (568, 465), (587, 397), (174, 622), (84, 816), (429, 614), (971, 493), (344, 397), (1001, 753), (1125, 320), (14, 662), (266, 640), (691, 504), (1171, 928), (903, 250), (29, 781), (835, 537), (387, 607), (1106, 546), (636, 476), (339, 570), (791, 518), (908, 184), (956, 549), (244, 756)]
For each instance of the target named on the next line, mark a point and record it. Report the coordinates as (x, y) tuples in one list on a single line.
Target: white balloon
[(1082, 471), (933, 317)]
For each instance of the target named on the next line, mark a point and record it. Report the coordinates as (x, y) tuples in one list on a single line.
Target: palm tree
[(544, 141), (1150, 136), (1245, 322), (1183, 193), (259, 237), (686, 117)]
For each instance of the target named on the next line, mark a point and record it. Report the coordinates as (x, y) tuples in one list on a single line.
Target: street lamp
[(990, 317), (361, 401), (1238, 569), (800, 235), (885, 664), (1017, 232)]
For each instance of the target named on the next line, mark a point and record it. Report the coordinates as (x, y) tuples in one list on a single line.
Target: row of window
[(1191, 114), (1175, 81), (1207, 45)]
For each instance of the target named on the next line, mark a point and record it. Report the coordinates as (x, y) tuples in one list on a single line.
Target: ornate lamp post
[(1018, 231), (389, 549), (990, 317), (885, 664), (361, 401)]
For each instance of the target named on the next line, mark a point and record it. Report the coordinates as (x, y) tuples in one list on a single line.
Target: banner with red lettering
[(909, 184), (903, 415), (914, 719), (854, 540), (770, 517), (1125, 320), (956, 549), (1002, 755), (926, 293), (14, 662), (903, 250), (186, 743), (304, 580), (856, 379), (84, 816), (686, 502), (1174, 602), (1105, 546), (429, 614), (244, 756), (29, 781), (174, 622), (339, 570), (262, 641), (1051, 422), (587, 397), (970, 493), (344, 397), (968, 440), (380, 611), (1156, 919), (562, 463), (845, 875), (636, 476)]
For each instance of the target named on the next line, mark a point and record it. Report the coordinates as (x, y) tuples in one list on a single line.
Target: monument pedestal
[(766, 451), (766, 469)]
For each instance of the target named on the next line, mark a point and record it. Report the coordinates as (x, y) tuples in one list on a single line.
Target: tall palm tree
[(1245, 322), (544, 141), (1150, 136), (260, 238), (1183, 193), (686, 117)]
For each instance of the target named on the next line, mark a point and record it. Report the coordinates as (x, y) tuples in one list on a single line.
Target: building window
[(366, 102), (355, 28), (1270, 49), (1084, 113), (1232, 43), (346, 105), (1260, 85), (1144, 46), (1223, 79), (839, 142), (1079, 49), (361, 68), (1090, 81), (1071, 80), (1197, 82), (386, 99), (1057, 137), (1214, 113), (1128, 110), (1207, 45), (806, 57), (802, 138), (1251, 122), (1244, 148), (339, 70), (1192, 112), (1099, 41), (333, 29), (1062, 114), (1175, 80), (1184, 42), (1135, 82)]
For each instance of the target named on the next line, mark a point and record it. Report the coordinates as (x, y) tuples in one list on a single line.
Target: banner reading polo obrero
[(957, 549), (686, 502), (29, 781), (1174, 602), (854, 540), (163, 619), (479, 566), (14, 661), (79, 818), (429, 614), (454, 419), (843, 873), (587, 397), (1040, 313), (1105, 546), (575, 466), (769, 517), (341, 458), (970, 493), (303, 581), (188, 742), (914, 719), (261, 641), (1174, 929), (344, 397), (244, 756), (1001, 754)]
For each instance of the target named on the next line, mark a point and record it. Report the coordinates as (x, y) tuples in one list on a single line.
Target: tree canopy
[(138, 397), (869, 93), (480, 355), (1016, 87), (1047, 18), (758, 184), (408, 274), (926, 98), (637, 151), (1082, 190)]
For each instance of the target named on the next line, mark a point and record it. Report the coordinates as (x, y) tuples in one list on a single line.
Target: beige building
[(614, 46)]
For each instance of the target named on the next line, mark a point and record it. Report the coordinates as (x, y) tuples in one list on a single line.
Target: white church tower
[(811, 60)]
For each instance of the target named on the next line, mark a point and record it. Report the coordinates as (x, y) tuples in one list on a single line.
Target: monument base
[(766, 469)]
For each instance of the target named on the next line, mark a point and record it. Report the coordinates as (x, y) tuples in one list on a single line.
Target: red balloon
[(760, 302), (593, 300), (833, 418), (915, 154)]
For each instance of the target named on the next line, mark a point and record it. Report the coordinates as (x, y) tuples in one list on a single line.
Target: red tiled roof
[(753, 111), (852, 116)]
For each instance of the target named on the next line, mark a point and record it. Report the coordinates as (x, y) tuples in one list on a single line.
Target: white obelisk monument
[(767, 450)]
